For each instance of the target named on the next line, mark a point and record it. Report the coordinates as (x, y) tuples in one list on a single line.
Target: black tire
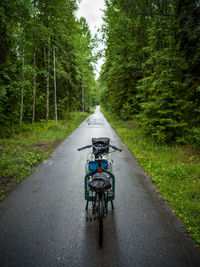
[(100, 220), (100, 231)]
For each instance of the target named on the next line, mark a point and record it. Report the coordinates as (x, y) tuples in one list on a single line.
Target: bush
[(194, 136), (126, 111)]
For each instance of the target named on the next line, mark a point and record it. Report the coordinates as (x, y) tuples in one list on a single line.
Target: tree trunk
[(68, 96), (47, 82), (22, 90), (34, 88), (82, 96)]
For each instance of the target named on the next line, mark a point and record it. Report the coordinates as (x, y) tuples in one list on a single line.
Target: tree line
[(152, 66), (29, 31)]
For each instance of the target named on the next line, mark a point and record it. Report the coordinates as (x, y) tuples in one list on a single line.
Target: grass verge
[(175, 170), (21, 153)]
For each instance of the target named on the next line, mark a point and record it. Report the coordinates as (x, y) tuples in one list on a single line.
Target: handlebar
[(115, 148), (84, 147), (96, 147)]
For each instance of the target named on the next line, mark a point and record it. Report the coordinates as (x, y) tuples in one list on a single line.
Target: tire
[(100, 220), (100, 231)]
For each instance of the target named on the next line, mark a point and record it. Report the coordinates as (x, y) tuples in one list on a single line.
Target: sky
[(91, 11)]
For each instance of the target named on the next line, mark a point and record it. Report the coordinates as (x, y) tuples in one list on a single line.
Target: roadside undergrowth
[(174, 169), (21, 153)]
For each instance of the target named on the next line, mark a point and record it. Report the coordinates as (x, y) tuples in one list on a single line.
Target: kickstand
[(112, 205), (87, 205)]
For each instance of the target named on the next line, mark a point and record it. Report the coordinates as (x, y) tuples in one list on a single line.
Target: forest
[(148, 88), (152, 66), (151, 69), (30, 30)]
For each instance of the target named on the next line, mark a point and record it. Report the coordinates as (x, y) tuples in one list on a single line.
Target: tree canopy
[(29, 31), (151, 69)]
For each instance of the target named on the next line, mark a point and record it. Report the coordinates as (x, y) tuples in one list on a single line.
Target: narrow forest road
[(43, 221)]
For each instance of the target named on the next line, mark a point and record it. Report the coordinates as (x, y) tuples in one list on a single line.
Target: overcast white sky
[(91, 11)]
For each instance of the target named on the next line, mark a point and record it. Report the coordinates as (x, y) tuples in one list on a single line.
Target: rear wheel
[(100, 219), (100, 231)]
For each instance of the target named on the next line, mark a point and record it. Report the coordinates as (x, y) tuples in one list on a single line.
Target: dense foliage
[(21, 153), (152, 66), (29, 30), (175, 170)]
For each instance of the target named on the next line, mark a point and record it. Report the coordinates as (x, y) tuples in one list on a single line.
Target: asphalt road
[(42, 222)]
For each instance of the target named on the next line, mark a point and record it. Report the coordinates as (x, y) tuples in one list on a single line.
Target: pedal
[(90, 218)]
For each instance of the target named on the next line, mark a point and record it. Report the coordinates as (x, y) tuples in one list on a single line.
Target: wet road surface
[(42, 222)]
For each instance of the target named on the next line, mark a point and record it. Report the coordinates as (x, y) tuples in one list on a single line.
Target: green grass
[(174, 169), (21, 153)]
